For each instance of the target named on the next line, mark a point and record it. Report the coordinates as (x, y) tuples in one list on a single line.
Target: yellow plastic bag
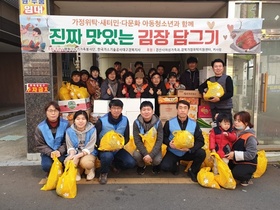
[(66, 185), (183, 139), (64, 92), (214, 90), (224, 176), (111, 141), (55, 173), (163, 150), (206, 178), (130, 146), (82, 92), (262, 164), (149, 139)]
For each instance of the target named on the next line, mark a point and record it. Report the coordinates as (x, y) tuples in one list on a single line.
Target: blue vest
[(174, 126), (227, 104), (74, 138), (52, 142), (106, 126), (141, 129)]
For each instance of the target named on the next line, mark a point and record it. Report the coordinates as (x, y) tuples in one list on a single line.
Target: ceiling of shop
[(167, 9)]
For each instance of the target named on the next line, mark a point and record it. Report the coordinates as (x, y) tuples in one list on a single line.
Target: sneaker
[(103, 178), (156, 169), (176, 169), (78, 176), (141, 170), (90, 174), (192, 175), (244, 183)]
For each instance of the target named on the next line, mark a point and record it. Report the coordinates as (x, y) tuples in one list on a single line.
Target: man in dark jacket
[(190, 77)]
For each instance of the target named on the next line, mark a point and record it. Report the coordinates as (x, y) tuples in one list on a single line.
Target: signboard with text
[(33, 7), (69, 34), (37, 88)]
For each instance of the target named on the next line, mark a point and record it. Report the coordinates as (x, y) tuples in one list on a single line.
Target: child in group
[(172, 84), (80, 142), (222, 136)]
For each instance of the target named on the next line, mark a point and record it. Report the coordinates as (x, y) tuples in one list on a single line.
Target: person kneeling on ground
[(171, 160), (80, 142), (113, 121), (146, 121)]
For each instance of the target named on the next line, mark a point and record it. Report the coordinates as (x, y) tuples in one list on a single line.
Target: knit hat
[(139, 75)]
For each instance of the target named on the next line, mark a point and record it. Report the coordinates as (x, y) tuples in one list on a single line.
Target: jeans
[(47, 161), (120, 159), (169, 161)]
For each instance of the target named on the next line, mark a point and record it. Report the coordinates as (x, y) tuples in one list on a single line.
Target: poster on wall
[(33, 7), (70, 34)]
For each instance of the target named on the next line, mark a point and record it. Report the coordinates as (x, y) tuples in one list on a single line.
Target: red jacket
[(218, 141)]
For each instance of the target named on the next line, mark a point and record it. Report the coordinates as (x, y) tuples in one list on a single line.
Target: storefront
[(256, 82)]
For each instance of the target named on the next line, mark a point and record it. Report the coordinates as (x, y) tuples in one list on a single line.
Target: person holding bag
[(80, 142), (50, 136)]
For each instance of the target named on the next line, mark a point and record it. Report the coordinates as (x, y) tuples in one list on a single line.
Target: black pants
[(170, 160), (242, 172)]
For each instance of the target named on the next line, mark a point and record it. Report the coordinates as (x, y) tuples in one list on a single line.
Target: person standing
[(219, 104), (171, 160), (145, 121), (50, 136), (80, 142), (190, 77), (110, 86), (243, 158), (120, 159)]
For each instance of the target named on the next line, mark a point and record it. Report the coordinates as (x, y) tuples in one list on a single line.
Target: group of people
[(80, 142), (124, 83), (235, 142)]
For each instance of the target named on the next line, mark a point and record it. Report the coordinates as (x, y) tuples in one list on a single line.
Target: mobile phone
[(226, 149)]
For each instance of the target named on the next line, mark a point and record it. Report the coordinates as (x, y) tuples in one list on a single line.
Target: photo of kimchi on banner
[(70, 34)]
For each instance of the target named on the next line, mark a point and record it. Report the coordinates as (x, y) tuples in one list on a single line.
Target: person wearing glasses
[(50, 136)]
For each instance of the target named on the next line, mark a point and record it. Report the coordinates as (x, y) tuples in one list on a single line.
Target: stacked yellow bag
[(214, 90), (208, 161), (224, 176), (183, 139), (262, 164), (111, 141), (130, 147), (55, 173), (66, 185), (69, 91), (206, 178)]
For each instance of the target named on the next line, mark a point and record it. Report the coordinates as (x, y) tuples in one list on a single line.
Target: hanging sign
[(37, 88), (33, 7), (67, 34)]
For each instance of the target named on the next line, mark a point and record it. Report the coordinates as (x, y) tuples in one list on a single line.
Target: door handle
[(264, 91)]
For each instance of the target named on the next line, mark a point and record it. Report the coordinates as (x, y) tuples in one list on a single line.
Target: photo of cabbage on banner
[(246, 41)]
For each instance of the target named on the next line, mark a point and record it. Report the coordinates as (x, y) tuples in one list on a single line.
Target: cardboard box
[(191, 100), (74, 105), (70, 115), (167, 99), (193, 112), (101, 106), (167, 111), (189, 93), (204, 103), (204, 112)]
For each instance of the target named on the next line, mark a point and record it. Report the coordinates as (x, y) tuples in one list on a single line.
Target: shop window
[(247, 10), (271, 15)]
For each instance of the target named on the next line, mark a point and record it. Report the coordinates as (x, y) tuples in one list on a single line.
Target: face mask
[(239, 128)]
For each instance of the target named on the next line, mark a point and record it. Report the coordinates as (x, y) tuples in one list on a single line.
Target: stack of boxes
[(69, 107)]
